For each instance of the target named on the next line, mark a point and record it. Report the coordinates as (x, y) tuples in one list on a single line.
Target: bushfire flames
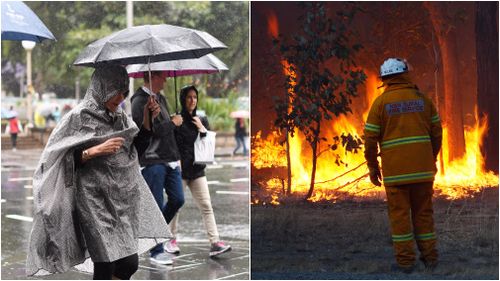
[(342, 174), (460, 178)]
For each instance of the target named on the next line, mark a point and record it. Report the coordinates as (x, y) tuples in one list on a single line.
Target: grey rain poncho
[(103, 209)]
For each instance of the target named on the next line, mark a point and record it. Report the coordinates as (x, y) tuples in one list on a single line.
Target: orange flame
[(461, 179), (467, 175), (272, 25)]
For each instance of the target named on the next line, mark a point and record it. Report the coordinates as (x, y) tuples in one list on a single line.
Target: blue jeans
[(159, 177), (240, 141)]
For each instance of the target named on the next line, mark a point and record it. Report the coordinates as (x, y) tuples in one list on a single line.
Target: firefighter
[(406, 126)]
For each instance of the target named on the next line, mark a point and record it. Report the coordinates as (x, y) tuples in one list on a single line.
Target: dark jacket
[(162, 147), (240, 131), (185, 136)]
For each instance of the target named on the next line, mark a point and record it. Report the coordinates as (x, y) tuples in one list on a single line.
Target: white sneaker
[(171, 247), (162, 258)]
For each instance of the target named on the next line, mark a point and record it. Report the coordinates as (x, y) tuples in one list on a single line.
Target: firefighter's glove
[(375, 176)]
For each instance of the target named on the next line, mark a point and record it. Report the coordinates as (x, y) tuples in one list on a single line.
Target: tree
[(487, 76), (326, 77), (453, 116)]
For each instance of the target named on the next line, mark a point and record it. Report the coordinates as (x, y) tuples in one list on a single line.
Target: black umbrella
[(147, 44)]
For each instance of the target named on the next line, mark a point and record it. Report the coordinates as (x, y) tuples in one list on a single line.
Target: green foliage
[(317, 91), (322, 77), (218, 111), (77, 24)]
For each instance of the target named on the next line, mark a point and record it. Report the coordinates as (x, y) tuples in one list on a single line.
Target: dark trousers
[(123, 268), (240, 141), (161, 177), (13, 138)]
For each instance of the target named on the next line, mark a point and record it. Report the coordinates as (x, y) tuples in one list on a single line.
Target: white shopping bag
[(204, 149)]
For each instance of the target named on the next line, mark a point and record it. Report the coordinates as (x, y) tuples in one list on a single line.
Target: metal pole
[(130, 23), (21, 86), (175, 89), (29, 95)]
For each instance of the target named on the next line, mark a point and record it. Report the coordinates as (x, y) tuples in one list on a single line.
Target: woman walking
[(193, 175), (240, 132), (90, 198)]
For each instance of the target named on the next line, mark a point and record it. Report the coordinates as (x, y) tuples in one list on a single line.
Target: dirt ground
[(352, 240)]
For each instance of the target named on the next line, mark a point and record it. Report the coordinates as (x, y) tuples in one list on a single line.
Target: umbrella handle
[(151, 91), (175, 87)]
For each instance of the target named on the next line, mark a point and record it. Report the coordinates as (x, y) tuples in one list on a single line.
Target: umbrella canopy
[(204, 65), (240, 114), (45, 109), (20, 23), (8, 114), (149, 43)]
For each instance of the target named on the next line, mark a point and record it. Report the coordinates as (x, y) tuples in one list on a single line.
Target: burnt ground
[(352, 240)]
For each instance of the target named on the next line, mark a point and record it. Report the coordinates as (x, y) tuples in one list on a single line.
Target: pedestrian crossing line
[(185, 267), (147, 267), (29, 198), (225, 184), (215, 167), (233, 275), (20, 218), (244, 165), (183, 256), (3, 200), (21, 179), (18, 169), (239, 180), (28, 186), (184, 260), (234, 163), (240, 257), (213, 182), (232, 192)]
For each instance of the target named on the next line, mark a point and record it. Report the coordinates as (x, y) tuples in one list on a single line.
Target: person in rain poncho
[(90, 199)]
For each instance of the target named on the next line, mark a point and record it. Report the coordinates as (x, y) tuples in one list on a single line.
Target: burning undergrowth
[(342, 175)]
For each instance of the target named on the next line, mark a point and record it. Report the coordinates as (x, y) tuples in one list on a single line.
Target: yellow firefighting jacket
[(406, 125)]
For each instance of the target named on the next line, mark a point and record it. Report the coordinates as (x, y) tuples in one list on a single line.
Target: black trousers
[(123, 268), (13, 138)]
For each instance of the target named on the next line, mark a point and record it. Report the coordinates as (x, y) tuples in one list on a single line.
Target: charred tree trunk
[(487, 77), (453, 117), (314, 146), (438, 89), (288, 165)]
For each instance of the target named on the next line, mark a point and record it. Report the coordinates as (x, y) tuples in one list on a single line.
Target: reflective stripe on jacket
[(406, 126)]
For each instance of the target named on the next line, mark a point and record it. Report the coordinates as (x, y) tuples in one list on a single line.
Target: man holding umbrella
[(161, 157)]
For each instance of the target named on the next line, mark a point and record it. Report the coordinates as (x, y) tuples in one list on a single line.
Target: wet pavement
[(228, 183)]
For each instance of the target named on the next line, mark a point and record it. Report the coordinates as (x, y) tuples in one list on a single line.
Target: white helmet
[(393, 66)]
